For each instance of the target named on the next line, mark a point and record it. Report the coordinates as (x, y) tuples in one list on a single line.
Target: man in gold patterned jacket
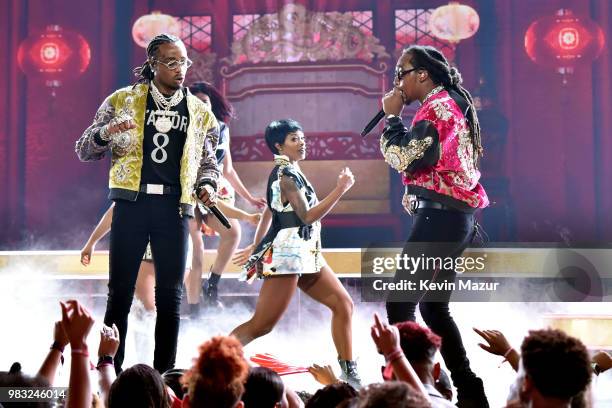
[(163, 141)]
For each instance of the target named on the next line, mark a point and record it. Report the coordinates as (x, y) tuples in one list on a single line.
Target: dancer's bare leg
[(328, 290), (274, 298), (228, 242), (145, 285), (193, 278)]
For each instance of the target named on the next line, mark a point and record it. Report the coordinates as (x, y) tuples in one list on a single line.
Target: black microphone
[(217, 213), (371, 124)]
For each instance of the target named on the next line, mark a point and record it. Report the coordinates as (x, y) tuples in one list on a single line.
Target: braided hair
[(144, 73), (441, 73)]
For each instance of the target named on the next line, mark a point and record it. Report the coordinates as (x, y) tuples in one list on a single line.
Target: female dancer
[(289, 255), (228, 182), (437, 157)]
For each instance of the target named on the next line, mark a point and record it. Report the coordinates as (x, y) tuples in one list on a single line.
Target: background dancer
[(145, 282), (152, 131), (437, 157), (289, 255), (229, 181)]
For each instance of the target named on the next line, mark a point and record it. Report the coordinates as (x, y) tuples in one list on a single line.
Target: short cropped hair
[(277, 131)]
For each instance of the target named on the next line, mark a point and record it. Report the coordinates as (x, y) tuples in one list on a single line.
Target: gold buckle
[(155, 189)]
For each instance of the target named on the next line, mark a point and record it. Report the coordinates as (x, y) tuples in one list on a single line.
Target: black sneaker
[(211, 296)]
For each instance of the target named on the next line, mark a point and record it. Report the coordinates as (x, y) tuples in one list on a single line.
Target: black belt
[(434, 205), (159, 189)]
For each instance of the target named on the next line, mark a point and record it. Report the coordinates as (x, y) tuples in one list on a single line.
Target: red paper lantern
[(454, 22), (54, 55), (146, 27), (564, 41)]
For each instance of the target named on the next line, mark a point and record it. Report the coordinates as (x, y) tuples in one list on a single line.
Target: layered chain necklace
[(163, 123)]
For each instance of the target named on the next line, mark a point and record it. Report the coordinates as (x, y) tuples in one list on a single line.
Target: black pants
[(438, 234), (153, 218)]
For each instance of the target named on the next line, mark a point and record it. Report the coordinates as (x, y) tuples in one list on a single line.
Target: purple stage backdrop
[(548, 160)]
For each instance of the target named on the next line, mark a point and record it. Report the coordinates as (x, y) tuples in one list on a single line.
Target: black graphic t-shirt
[(162, 152)]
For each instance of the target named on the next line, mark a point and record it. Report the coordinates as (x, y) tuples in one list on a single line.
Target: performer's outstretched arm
[(298, 202), (97, 234), (242, 256)]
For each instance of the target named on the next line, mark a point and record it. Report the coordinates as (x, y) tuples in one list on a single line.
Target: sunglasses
[(400, 73), (174, 64)]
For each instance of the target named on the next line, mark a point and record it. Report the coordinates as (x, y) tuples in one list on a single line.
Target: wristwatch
[(596, 368), (105, 359)]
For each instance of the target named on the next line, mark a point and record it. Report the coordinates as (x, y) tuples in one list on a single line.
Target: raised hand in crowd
[(55, 357), (323, 374), (109, 344), (602, 361), (386, 338), (498, 344), (77, 323)]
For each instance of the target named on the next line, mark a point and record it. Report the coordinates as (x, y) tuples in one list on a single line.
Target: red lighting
[(563, 40), (54, 55)]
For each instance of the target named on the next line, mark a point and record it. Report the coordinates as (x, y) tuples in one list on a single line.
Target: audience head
[(15, 378), (139, 386), (420, 345), (217, 377), (331, 395), (444, 386), (172, 379), (553, 367), (263, 389), (394, 394)]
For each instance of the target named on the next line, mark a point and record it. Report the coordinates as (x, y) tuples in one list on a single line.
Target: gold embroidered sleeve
[(208, 172), (400, 157), (87, 148)]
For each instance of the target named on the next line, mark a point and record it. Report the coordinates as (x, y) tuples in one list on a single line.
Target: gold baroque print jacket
[(198, 162)]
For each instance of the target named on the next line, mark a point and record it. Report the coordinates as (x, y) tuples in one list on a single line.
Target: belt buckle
[(410, 203), (414, 205), (155, 189)]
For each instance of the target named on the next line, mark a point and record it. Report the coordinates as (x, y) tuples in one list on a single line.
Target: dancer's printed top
[(436, 156), (290, 246)]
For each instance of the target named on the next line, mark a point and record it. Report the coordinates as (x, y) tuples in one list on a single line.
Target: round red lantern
[(54, 55), (564, 41)]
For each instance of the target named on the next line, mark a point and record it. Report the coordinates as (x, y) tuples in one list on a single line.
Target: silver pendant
[(163, 124)]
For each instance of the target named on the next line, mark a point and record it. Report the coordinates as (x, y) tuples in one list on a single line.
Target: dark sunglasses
[(399, 73)]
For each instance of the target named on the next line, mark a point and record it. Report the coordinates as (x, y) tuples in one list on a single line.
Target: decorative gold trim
[(305, 87), (399, 158), (297, 34), (227, 72)]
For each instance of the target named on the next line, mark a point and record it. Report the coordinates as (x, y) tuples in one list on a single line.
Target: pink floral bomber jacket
[(436, 156)]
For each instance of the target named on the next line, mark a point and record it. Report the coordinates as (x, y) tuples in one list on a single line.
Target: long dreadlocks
[(144, 73), (441, 73)]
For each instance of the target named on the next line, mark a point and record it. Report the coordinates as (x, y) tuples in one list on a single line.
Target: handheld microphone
[(372, 124), (222, 219), (213, 209)]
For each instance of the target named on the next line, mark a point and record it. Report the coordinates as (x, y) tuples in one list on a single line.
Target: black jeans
[(154, 218), (440, 234)]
